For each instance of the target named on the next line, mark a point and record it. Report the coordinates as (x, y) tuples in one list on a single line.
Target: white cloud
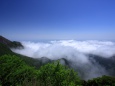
[(74, 51)]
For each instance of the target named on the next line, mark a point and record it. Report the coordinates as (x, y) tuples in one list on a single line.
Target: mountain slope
[(5, 46), (10, 44)]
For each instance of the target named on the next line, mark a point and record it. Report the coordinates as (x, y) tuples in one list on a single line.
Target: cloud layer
[(74, 51)]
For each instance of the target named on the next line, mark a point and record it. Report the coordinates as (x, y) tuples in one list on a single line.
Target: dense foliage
[(102, 81), (14, 71), (57, 75)]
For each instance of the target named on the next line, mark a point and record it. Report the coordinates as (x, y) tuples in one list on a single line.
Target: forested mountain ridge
[(5, 49), (7, 58), (10, 44)]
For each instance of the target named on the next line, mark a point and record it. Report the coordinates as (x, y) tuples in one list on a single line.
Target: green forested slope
[(19, 70)]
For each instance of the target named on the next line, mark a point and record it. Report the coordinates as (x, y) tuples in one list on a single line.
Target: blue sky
[(57, 19)]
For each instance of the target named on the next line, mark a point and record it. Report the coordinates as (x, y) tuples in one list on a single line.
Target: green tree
[(14, 71), (57, 75)]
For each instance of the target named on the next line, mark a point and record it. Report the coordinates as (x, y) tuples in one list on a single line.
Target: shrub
[(57, 75), (14, 71)]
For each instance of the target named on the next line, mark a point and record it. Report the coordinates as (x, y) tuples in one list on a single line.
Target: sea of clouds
[(74, 51)]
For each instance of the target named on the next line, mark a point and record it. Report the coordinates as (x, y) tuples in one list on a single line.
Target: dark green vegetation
[(15, 72), (19, 70), (102, 81), (4, 49)]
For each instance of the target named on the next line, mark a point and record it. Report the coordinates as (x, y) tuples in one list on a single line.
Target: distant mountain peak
[(11, 44), (4, 40)]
